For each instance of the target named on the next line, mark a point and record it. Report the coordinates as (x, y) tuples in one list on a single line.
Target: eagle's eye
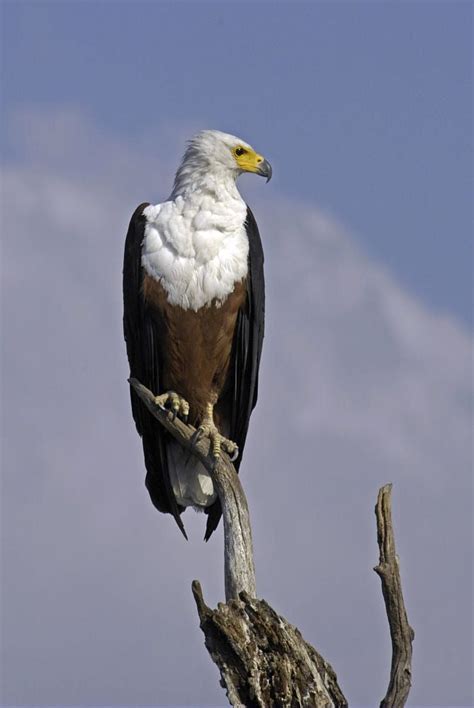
[(239, 151)]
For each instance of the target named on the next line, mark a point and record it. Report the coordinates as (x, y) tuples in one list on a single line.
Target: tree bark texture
[(263, 660)]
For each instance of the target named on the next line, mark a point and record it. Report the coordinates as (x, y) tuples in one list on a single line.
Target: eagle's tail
[(191, 482)]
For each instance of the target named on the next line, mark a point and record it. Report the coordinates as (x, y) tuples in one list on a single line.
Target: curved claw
[(160, 403), (196, 436), (218, 442), (175, 404)]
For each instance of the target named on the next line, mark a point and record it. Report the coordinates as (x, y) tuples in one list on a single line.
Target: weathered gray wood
[(263, 660), (238, 549), (239, 568), (401, 633)]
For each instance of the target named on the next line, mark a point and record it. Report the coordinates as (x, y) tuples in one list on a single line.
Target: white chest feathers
[(197, 247)]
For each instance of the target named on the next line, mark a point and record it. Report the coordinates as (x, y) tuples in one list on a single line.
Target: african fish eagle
[(194, 317)]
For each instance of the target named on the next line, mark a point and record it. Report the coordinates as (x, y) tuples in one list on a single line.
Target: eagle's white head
[(212, 153)]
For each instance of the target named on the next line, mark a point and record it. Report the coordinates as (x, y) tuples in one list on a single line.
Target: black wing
[(142, 329), (247, 350)]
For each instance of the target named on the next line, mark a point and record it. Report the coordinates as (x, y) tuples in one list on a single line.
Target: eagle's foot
[(176, 405), (218, 442)]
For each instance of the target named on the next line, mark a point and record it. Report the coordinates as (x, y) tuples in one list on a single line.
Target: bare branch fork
[(264, 660)]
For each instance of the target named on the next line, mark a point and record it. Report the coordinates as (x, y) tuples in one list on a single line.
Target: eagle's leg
[(218, 442), (176, 404)]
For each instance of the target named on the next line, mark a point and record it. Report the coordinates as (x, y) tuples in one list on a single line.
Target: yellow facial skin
[(247, 159)]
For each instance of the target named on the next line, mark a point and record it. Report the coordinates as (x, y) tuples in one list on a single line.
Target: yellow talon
[(217, 441)]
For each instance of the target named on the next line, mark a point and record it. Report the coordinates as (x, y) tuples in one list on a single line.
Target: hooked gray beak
[(265, 170)]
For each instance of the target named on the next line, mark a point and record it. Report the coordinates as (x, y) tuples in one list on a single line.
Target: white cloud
[(361, 384), (380, 367)]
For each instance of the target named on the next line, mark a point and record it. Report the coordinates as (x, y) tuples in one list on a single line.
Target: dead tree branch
[(401, 633), (264, 660), (238, 549)]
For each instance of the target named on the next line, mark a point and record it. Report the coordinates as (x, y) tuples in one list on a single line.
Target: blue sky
[(364, 110)]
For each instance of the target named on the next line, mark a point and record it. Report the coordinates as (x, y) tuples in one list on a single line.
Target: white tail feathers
[(191, 482)]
